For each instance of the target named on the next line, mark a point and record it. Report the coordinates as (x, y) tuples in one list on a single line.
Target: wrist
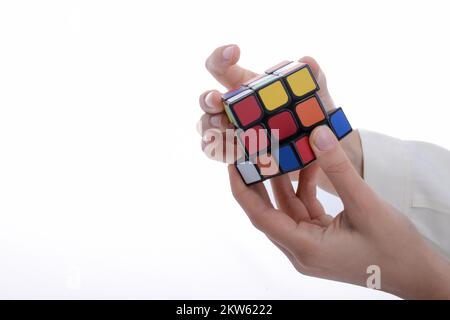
[(438, 275), (427, 278)]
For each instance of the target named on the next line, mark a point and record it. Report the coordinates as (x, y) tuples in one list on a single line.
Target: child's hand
[(368, 232), (222, 64)]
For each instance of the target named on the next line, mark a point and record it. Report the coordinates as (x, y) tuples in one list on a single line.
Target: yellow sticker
[(273, 96), (301, 82)]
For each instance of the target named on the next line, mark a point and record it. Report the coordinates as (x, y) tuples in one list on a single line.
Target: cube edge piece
[(263, 81), (233, 92), (278, 66), (235, 99), (229, 114), (330, 117), (291, 147)]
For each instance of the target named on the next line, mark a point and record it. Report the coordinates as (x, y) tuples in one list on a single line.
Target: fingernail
[(209, 100), (215, 120), (323, 139), (211, 134), (206, 137), (227, 53)]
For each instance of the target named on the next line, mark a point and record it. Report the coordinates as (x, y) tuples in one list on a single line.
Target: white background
[(104, 191)]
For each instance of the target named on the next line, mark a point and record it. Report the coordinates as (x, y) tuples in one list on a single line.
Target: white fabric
[(415, 178)]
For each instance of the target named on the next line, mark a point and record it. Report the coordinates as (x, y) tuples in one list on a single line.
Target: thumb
[(337, 166)]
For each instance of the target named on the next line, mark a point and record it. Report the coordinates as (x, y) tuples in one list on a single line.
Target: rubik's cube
[(274, 114)]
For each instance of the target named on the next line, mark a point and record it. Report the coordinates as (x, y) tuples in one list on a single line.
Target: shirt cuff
[(386, 168)]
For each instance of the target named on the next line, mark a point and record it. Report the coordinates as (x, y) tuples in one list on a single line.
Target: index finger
[(222, 64), (276, 225)]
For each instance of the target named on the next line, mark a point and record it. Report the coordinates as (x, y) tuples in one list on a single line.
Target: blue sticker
[(340, 124), (286, 159)]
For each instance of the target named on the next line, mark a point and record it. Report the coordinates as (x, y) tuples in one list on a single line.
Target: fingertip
[(221, 57), (237, 54), (230, 54), (211, 102), (322, 139), (315, 67)]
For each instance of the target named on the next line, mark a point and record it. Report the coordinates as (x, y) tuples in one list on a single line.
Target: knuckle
[(205, 118), (201, 98), (338, 167), (237, 194), (212, 67), (322, 78), (208, 63), (303, 269), (298, 267), (308, 261), (255, 218), (256, 221), (307, 256), (308, 190)]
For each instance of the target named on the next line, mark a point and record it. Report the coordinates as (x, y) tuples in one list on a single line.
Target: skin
[(367, 232)]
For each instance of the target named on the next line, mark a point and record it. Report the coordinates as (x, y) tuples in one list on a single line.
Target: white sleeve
[(415, 178)]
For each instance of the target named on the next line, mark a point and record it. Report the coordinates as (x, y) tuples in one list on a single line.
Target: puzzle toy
[(281, 105)]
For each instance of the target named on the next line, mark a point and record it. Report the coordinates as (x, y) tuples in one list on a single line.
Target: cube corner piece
[(248, 171)]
